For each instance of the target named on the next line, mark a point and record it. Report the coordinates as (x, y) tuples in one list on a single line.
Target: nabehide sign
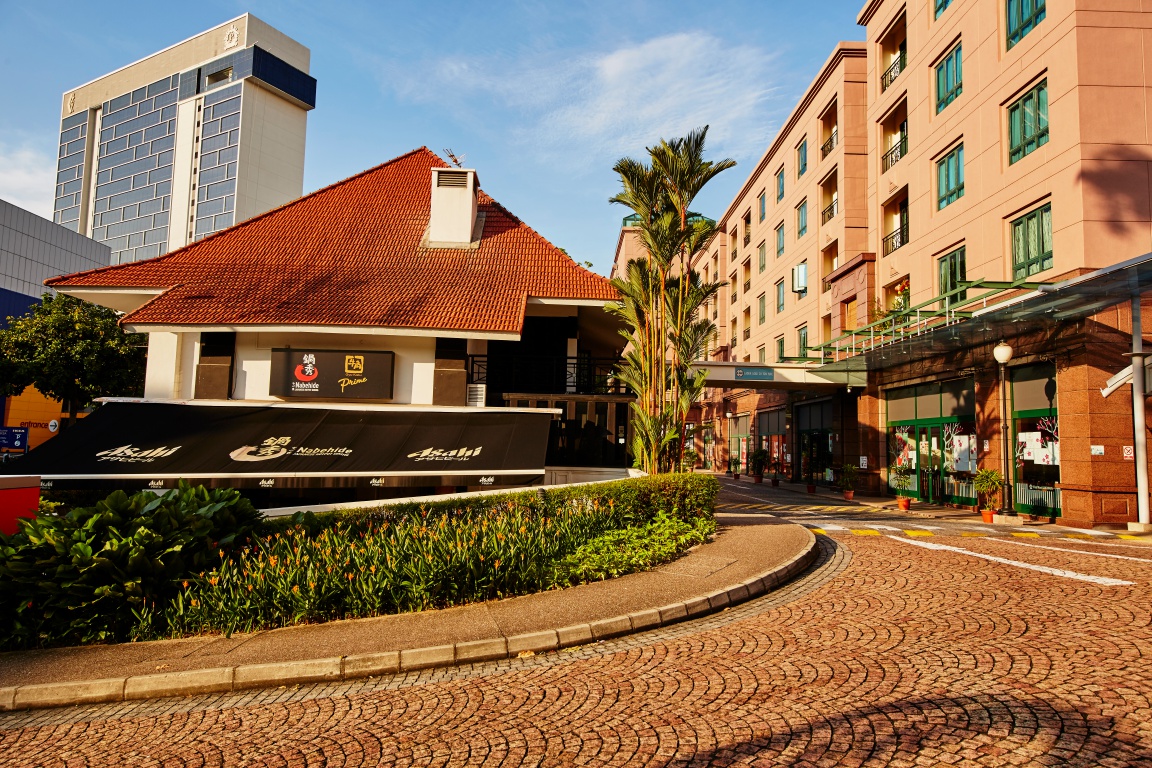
[(332, 374)]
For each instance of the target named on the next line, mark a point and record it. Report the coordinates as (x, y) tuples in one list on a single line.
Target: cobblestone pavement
[(896, 648)]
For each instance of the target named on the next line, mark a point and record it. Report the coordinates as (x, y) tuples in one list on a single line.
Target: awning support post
[(1139, 427)]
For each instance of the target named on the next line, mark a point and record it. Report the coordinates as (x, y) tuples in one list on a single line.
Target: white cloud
[(590, 109), (27, 177)]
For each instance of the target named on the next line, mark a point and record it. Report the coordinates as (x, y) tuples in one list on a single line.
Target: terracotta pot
[(775, 482), (848, 495), (904, 503), (812, 488), (757, 478), (987, 514), (735, 475)]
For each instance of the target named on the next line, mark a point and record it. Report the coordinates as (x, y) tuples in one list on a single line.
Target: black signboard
[(332, 374), (155, 444)]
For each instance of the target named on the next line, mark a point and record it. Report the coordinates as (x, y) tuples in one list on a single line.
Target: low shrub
[(83, 577), (633, 549)]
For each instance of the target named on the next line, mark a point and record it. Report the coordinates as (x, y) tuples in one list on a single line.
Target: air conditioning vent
[(457, 179), (477, 394)]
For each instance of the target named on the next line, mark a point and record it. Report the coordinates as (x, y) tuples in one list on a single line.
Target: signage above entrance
[(332, 374), (755, 374)]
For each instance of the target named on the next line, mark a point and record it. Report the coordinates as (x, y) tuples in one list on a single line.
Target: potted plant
[(848, 481), (774, 463), (734, 468), (901, 479), (806, 471), (989, 483), (756, 463)]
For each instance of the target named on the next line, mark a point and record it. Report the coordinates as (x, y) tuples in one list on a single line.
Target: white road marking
[(879, 527), (1088, 531), (1077, 551), (826, 526), (1101, 580), (1094, 543)]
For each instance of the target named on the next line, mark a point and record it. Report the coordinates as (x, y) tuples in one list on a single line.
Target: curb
[(335, 669)]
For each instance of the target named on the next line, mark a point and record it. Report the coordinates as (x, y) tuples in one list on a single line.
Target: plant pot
[(757, 478), (735, 475), (848, 495), (775, 482), (904, 503), (811, 487), (987, 514)]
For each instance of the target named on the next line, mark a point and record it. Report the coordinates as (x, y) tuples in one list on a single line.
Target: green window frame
[(780, 295), (763, 205), (779, 185), (1023, 16), (762, 355), (802, 219), (762, 252), (780, 240), (779, 349), (952, 271), (1032, 242), (950, 178), (802, 341), (949, 78), (802, 158), (762, 301), (941, 6), (1028, 123)]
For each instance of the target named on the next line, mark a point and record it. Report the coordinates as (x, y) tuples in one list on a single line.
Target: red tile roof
[(350, 255)]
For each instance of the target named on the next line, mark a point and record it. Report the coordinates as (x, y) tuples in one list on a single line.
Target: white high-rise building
[(186, 142)]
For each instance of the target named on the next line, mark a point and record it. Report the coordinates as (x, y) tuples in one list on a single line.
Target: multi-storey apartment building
[(923, 199), (186, 142)]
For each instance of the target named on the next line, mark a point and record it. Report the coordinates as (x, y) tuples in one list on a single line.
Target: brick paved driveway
[(896, 649)]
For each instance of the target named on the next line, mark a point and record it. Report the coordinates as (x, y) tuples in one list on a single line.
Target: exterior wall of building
[(271, 149)]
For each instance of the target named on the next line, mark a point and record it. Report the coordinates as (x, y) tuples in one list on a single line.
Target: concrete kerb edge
[(333, 669)]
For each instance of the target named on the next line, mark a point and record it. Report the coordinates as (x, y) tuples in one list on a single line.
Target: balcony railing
[(734, 297), (747, 333), (747, 237), (747, 286), (830, 212), (897, 239), (829, 145), (892, 156), (733, 345), (715, 314), (733, 254), (545, 375), (893, 71)]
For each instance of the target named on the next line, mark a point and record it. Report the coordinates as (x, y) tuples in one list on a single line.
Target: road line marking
[(1127, 536), (1101, 580), (1089, 531), (1028, 535), (919, 533), (1077, 551), (865, 532), (969, 533), (1112, 544), (1077, 536), (880, 527), (819, 530)]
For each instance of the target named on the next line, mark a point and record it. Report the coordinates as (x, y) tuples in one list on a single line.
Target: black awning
[(150, 444)]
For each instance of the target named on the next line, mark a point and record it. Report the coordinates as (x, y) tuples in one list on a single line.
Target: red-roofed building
[(403, 285)]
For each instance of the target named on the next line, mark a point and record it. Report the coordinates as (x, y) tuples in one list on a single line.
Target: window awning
[(148, 444)]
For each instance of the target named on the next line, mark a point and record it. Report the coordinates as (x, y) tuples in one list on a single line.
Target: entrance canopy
[(977, 320), (779, 376), (148, 444)]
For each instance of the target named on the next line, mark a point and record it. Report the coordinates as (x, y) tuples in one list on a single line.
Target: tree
[(72, 351), (662, 295)]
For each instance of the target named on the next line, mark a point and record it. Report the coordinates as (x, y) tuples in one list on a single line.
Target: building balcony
[(732, 345), (830, 212), (715, 314), (546, 375), (893, 72), (827, 147), (747, 334), (893, 156), (747, 286), (733, 254), (747, 238), (734, 298), (895, 240)]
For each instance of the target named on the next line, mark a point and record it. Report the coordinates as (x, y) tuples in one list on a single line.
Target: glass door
[(930, 466)]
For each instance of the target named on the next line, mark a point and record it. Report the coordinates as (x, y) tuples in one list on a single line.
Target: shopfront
[(738, 444), (814, 441), (932, 428), (1036, 468), (773, 431)]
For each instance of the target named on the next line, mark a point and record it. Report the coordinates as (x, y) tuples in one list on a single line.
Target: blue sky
[(540, 97)]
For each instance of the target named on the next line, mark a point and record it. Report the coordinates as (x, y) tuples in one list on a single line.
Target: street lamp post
[(1003, 354)]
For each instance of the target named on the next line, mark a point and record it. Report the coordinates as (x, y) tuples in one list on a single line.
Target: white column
[(1139, 427)]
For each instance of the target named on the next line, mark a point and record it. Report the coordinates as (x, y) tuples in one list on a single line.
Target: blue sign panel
[(756, 374), (14, 438)]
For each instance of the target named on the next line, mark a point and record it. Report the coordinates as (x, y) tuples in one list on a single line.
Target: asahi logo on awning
[(131, 455), (275, 447), (440, 454)]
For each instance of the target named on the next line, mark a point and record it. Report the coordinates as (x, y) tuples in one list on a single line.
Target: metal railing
[(542, 374), (830, 212), (734, 297), (747, 237), (732, 346), (893, 71), (829, 145), (897, 239), (733, 254), (747, 286), (747, 333), (892, 156)]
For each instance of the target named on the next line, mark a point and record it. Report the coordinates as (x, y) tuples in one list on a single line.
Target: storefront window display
[(1037, 444), (932, 428), (773, 430), (814, 443), (739, 446)]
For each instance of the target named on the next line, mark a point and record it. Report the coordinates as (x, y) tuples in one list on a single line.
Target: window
[(779, 241), (941, 6), (761, 355), (780, 295), (950, 178), (802, 341), (779, 185), (1032, 243), (802, 219), (762, 252), (763, 313), (952, 273), (763, 203), (949, 79), (1028, 123), (1023, 16), (779, 349), (802, 158), (800, 279)]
